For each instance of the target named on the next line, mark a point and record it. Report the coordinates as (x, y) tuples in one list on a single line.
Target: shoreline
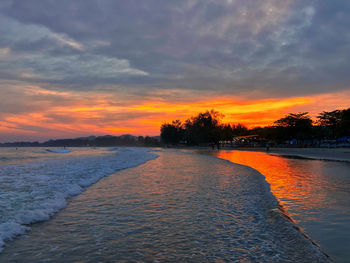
[(328, 154), (296, 179), (136, 204)]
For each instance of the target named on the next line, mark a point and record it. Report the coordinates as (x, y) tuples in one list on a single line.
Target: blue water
[(20, 155), (315, 193), (33, 191), (177, 207)]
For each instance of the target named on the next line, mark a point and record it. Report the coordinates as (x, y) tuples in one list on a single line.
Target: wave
[(59, 150), (279, 230), (33, 192)]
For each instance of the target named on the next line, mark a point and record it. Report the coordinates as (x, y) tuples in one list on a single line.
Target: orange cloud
[(251, 113), (72, 114), (118, 130)]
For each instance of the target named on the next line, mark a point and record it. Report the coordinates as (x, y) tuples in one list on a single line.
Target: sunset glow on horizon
[(97, 114)]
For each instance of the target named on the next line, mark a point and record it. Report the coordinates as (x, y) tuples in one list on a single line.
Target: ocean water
[(35, 184), (178, 207), (20, 155), (315, 193)]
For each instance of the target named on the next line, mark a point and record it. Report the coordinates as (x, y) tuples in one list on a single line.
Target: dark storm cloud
[(235, 47)]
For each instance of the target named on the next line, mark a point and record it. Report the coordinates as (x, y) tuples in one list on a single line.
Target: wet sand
[(334, 154), (177, 207), (314, 193)]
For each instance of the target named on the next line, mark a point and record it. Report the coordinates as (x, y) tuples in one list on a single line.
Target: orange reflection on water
[(293, 182)]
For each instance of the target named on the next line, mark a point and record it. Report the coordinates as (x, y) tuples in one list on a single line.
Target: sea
[(150, 205), (314, 193)]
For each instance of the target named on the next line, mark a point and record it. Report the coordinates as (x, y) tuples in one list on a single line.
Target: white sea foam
[(33, 192), (183, 207), (279, 234), (10, 229), (112, 149), (59, 150)]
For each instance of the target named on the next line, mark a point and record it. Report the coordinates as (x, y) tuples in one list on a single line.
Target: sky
[(86, 67)]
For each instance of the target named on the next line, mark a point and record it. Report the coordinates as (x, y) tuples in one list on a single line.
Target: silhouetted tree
[(149, 141), (140, 140), (344, 126), (239, 129), (337, 122), (226, 132), (171, 133), (204, 128), (331, 121), (295, 125)]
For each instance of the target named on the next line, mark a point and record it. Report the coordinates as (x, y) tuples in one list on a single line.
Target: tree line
[(92, 141), (206, 128)]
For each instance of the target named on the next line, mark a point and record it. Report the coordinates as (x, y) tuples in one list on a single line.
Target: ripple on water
[(315, 193), (177, 207)]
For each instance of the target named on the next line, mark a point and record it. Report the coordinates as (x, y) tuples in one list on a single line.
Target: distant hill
[(92, 141)]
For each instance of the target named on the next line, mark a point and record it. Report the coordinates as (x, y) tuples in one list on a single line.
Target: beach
[(312, 190), (332, 154), (173, 206), (167, 131)]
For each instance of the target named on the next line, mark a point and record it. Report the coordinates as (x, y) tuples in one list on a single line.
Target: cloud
[(18, 35), (27, 55), (230, 42), (271, 48), (36, 112), (70, 67), (175, 52)]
